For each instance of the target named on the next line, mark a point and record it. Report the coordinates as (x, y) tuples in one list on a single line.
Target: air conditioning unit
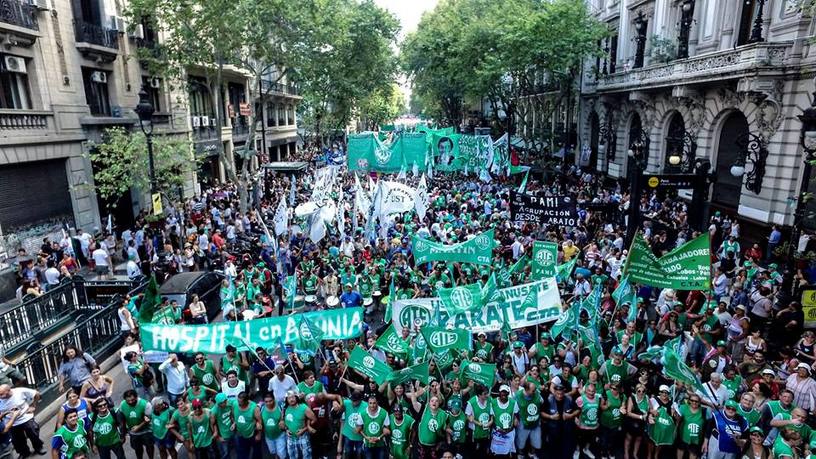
[(137, 32), (196, 121), (42, 5), (155, 83), (118, 23), (205, 121), (99, 77), (15, 64)]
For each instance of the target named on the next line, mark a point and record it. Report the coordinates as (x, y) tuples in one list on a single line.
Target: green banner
[(365, 364), (687, 267), (478, 251), (415, 373), (462, 299), (412, 148), (483, 373), (445, 148), (443, 360), (214, 338), (440, 339), (545, 259), (367, 152), (564, 271), (390, 342)]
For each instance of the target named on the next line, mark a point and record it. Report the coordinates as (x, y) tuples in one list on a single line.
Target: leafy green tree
[(380, 107), (121, 163)]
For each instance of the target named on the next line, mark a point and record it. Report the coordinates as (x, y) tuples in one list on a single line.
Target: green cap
[(545, 335), (220, 397), (773, 266), (455, 404), (721, 343), (756, 429), (731, 404), (518, 345)]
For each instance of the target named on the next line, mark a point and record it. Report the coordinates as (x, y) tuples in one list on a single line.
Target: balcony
[(710, 67), (281, 89), (96, 42), (18, 22), (240, 129), (204, 133), (16, 123)]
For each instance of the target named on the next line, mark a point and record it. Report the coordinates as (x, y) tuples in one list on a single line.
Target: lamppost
[(608, 139), (807, 138), (685, 29), (640, 40), (683, 151), (638, 153), (756, 31), (753, 150), (145, 111)]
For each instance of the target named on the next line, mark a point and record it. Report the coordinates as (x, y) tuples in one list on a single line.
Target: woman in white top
[(198, 311), (126, 323)]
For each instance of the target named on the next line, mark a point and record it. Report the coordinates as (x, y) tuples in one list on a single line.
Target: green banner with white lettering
[(214, 338), (367, 365), (441, 339), (478, 251), (483, 373), (687, 267), (545, 258)]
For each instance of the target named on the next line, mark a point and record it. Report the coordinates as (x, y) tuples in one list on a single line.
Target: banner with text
[(545, 210), (214, 338), (545, 258), (478, 250), (687, 267), (413, 312)]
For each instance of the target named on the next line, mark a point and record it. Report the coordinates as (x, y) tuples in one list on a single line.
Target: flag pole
[(252, 351)]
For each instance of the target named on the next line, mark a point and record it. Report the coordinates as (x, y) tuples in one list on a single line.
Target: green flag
[(490, 291), (687, 267), (441, 339), (523, 187), (392, 343), (675, 368), (461, 299), (623, 291), (564, 271), (651, 353), (443, 360), (545, 259), (519, 265), (310, 336), (364, 363), (290, 290), (478, 250), (417, 372), (150, 300), (483, 373), (418, 350), (592, 302)]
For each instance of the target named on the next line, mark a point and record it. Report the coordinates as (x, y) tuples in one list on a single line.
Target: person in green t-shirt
[(180, 424), (692, 418), (310, 385), (202, 430), (785, 445), (135, 413), (352, 443), (482, 348), (248, 427), (72, 439), (234, 360), (106, 432), (613, 409), (402, 433), (456, 427), (224, 425), (298, 419), (529, 402), (480, 422), (431, 427), (160, 424), (204, 371), (272, 419), (374, 425)]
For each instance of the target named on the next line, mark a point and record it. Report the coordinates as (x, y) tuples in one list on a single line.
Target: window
[(270, 114), (281, 116), (200, 101), (153, 93), (96, 91), (750, 11), (14, 85), (291, 115)]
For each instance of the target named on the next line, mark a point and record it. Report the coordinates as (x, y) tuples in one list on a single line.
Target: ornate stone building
[(722, 80)]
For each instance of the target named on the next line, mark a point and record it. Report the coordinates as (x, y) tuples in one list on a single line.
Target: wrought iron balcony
[(96, 35), (270, 87), (18, 13)]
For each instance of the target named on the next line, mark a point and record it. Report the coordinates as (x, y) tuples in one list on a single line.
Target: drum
[(332, 301), (368, 301), (311, 298)]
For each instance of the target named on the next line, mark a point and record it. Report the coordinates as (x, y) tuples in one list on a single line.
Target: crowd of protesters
[(745, 339)]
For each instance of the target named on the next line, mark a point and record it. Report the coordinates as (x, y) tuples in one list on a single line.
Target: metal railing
[(36, 315), (97, 332), (204, 133), (96, 35), (268, 86), (18, 13)]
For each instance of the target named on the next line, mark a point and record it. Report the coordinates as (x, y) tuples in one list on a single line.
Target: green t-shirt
[(782, 449), (134, 415), (752, 417), (483, 351), (234, 364), (350, 416), (244, 419), (373, 425), (432, 426), (458, 425), (482, 417), (400, 436), (590, 409), (159, 422), (202, 430), (105, 430), (611, 417), (503, 416), (223, 419), (202, 395), (542, 351), (691, 425), (73, 441), (295, 418), (663, 430), (182, 422), (316, 388), (529, 409), (271, 420), (206, 375), (732, 385)]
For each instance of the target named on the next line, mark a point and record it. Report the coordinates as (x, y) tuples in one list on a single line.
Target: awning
[(286, 166)]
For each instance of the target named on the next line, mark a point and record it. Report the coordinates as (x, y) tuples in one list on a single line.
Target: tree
[(121, 161), (380, 107)]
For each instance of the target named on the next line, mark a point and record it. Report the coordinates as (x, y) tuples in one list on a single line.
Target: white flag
[(317, 228), (415, 169), (323, 184), (484, 175), (421, 200), (292, 192), (110, 224), (394, 197), (281, 219), (402, 173)]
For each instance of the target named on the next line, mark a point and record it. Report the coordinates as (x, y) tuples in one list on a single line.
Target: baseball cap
[(456, 404), (504, 388), (720, 343), (220, 398), (731, 404), (768, 371), (756, 429), (518, 345), (664, 388)]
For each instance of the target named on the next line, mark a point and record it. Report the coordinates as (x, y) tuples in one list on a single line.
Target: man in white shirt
[(25, 400), (177, 377), (52, 276), (133, 270), (280, 384), (103, 263)]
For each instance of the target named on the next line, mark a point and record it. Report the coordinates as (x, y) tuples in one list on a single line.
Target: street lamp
[(674, 159), (145, 111), (640, 39), (638, 150), (756, 31), (685, 29), (753, 150)]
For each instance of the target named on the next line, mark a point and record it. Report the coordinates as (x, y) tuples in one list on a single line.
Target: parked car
[(182, 286)]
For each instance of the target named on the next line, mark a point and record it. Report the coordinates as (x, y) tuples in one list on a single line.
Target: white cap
[(664, 388), (803, 366), (768, 371), (504, 388)]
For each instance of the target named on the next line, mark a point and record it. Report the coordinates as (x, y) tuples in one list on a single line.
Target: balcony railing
[(205, 133), (710, 66), (96, 35), (268, 86), (23, 119), (239, 127), (18, 13)]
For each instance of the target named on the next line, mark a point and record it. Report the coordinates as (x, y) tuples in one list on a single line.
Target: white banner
[(394, 197), (281, 218), (421, 199), (324, 181), (548, 308)]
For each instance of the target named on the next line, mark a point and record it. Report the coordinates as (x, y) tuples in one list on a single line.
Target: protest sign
[(478, 250), (545, 259), (687, 267), (545, 210)]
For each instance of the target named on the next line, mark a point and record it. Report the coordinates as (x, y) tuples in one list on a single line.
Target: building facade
[(723, 80), (69, 69)]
